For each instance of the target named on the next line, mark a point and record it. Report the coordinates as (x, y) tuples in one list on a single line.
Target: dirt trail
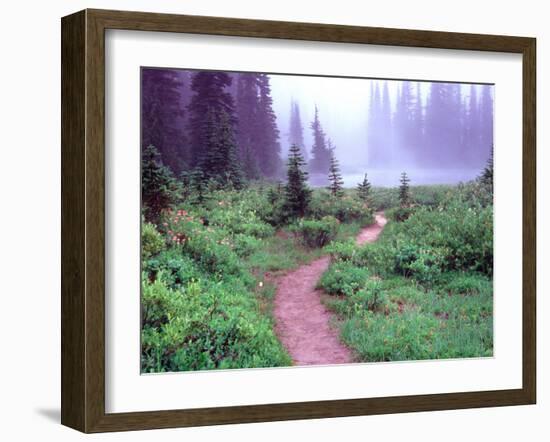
[(302, 321), (371, 233)]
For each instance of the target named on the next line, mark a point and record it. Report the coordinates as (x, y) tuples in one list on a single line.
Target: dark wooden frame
[(83, 216)]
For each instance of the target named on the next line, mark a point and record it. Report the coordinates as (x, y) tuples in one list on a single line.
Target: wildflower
[(261, 284)]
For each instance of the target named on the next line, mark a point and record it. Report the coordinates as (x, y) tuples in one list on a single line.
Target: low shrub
[(346, 251), (467, 284), (205, 326), (371, 297), (343, 278), (317, 233), (177, 269), (400, 214), (345, 209), (152, 241)]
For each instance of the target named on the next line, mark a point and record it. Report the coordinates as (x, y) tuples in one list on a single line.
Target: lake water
[(390, 178)]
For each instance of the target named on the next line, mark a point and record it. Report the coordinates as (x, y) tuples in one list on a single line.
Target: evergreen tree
[(296, 132), (210, 101), (233, 175), (442, 129), (486, 121), (404, 191), (220, 164), (334, 176), (162, 116), (386, 124), (408, 121), (363, 190), (269, 152), (247, 107), (487, 173), (320, 160), (374, 141), (257, 133), (472, 126), (297, 193), (380, 139), (159, 189)]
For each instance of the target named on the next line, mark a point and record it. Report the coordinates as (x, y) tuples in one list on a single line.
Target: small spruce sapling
[(335, 177), (363, 190), (297, 193), (404, 191)]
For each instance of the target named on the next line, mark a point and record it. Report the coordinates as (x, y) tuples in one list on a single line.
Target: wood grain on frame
[(83, 219)]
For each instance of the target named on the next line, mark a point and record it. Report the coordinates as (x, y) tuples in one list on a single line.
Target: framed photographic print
[(270, 220)]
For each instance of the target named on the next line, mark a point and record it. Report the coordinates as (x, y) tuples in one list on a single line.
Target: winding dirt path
[(302, 321), (371, 233)]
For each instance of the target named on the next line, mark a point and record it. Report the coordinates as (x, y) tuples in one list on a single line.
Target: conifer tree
[(404, 191), (363, 190), (320, 160), (487, 173), (335, 177), (257, 132), (296, 130), (486, 121), (162, 116), (219, 163), (297, 193), (247, 104), (211, 99), (269, 148), (159, 188)]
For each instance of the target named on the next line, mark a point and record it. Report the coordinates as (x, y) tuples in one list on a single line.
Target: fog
[(439, 133)]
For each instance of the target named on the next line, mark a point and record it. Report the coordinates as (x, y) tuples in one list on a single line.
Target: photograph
[(292, 220)]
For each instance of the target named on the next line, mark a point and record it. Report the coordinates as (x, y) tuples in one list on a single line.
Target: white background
[(128, 391), (30, 189)]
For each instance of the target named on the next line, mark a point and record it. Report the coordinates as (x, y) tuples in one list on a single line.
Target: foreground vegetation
[(210, 251), (424, 289), (208, 268)]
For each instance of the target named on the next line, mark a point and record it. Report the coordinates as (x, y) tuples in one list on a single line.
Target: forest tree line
[(220, 127), (448, 127)]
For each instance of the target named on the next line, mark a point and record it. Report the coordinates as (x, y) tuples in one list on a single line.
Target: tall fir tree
[(159, 188), (296, 130), (162, 116), (374, 141), (486, 121), (220, 164), (269, 153), (297, 192), (336, 183), (209, 102), (404, 191), (472, 126), (320, 154), (443, 131), (364, 190), (247, 109), (257, 133), (380, 139), (486, 177), (408, 121)]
